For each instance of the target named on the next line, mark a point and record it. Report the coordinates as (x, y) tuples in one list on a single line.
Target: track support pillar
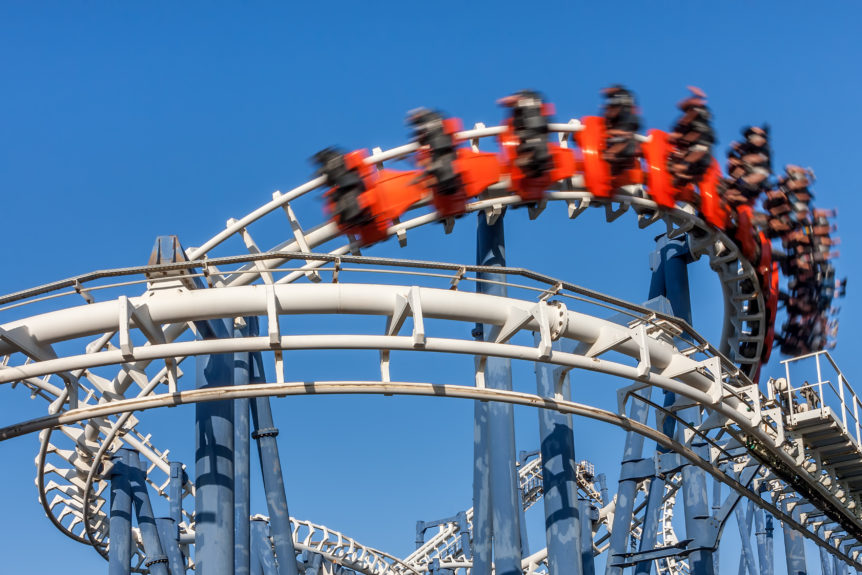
[(500, 490), (265, 434), (169, 536), (262, 559), (794, 546), (241, 462), (627, 489), (156, 561), (763, 535), (120, 550), (563, 514), (214, 513)]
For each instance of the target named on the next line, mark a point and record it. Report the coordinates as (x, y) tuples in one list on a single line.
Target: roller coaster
[(781, 449)]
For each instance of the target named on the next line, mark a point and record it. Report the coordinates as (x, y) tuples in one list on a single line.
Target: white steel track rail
[(131, 332), (729, 402)]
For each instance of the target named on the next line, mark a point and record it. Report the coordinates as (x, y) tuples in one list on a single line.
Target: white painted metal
[(133, 331)]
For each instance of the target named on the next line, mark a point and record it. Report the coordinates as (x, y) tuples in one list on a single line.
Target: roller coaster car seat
[(364, 201), (531, 161), (347, 183), (453, 174)]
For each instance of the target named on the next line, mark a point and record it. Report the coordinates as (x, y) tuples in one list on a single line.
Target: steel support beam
[(794, 547), (241, 461), (214, 513), (669, 285), (697, 518), (504, 496), (265, 434), (627, 488), (743, 521), (120, 550), (763, 534), (482, 540), (175, 491), (559, 475), (585, 517), (169, 537), (826, 566), (156, 560), (262, 559)]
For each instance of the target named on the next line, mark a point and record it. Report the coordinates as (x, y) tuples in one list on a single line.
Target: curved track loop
[(641, 350), (33, 351)]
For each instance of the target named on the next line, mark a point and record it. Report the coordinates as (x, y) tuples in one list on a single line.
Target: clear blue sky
[(123, 121)]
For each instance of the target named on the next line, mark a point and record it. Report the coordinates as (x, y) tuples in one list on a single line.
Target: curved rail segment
[(123, 352)]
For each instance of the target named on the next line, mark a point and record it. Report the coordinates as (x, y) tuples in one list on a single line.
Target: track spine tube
[(214, 514), (270, 467), (120, 550), (563, 514), (156, 561), (241, 461), (505, 496)]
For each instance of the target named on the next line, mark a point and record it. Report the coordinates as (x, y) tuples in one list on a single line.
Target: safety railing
[(108, 284), (823, 389)]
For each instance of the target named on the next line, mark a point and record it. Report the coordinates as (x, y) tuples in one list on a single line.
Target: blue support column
[(175, 491), (262, 559), (241, 461), (825, 562), (169, 536), (794, 548), (670, 278), (585, 509), (743, 521), (838, 566), (669, 264), (265, 434), (763, 533), (697, 519), (482, 539), (214, 513), (559, 476), (120, 550), (505, 504), (668, 285), (156, 560), (627, 489), (313, 564), (716, 507)]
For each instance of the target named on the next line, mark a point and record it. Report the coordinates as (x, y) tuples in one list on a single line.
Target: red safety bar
[(710, 200), (745, 232), (597, 173), (656, 151)]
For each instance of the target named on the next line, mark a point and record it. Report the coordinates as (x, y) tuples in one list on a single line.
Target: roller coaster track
[(63, 355)]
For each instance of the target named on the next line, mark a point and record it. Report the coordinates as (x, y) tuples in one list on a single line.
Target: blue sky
[(123, 121)]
